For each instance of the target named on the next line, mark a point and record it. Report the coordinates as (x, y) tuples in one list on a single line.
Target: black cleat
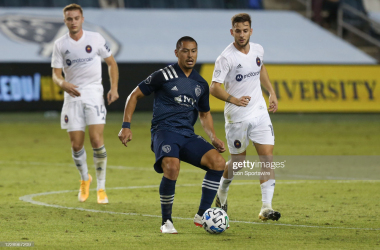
[(269, 214), (218, 204)]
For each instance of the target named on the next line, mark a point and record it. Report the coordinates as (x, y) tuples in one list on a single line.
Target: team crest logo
[(258, 61), (217, 73), (237, 144), (147, 81), (68, 62), (166, 148), (88, 49), (198, 91), (66, 119), (239, 78), (44, 30)]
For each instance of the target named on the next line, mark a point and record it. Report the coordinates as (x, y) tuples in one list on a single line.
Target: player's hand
[(219, 145), (112, 96), (243, 101), (273, 103), (125, 136), (70, 89)]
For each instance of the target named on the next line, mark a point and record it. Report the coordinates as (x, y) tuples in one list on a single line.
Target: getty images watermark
[(305, 167), (245, 167)]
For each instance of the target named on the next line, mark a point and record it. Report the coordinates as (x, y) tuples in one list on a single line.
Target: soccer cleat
[(168, 228), (269, 214), (102, 197), (218, 204), (84, 189), (198, 220)]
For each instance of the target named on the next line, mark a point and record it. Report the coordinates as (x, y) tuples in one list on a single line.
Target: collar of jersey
[(80, 40), (180, 72), (250, 49)]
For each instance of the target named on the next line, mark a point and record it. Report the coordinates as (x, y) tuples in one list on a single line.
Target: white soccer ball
[(215, 220)]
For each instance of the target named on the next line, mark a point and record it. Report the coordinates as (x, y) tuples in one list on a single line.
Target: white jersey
[(81, 62), (240, 74)]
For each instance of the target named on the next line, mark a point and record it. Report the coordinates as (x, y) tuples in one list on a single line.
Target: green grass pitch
[(35, 158)]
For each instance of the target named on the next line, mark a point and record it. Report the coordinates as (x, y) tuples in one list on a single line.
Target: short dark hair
[(73, 6), (241, 18), (185, 39)]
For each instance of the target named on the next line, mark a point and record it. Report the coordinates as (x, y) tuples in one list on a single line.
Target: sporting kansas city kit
[(177, 101), (240, 74), (81, 63)]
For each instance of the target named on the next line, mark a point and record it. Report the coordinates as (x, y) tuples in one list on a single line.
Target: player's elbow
[(203, 115)]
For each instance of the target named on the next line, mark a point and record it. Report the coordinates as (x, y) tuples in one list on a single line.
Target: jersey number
[(101, 109)]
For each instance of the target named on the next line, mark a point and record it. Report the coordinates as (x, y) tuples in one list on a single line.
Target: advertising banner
[(318, 88)]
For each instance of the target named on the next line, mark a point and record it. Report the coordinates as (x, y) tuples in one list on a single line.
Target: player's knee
[(170, 166), (218, 163), (96, 142), (76, 146)]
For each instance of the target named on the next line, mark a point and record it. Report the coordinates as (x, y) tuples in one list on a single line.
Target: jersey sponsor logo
[(147, 81), (88, 49), (239, 66), (185, 100), (166, 148), (67, 52), (217, 73), (237, 144), (198, 90), (79, 60), (66, 119), (239, 77), (174, 88), (44, 30), (258, 61)]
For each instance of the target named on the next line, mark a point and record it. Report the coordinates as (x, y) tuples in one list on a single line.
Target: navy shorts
[(187, 149)]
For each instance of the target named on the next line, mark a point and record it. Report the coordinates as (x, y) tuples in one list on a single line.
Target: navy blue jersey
[(177, 99)]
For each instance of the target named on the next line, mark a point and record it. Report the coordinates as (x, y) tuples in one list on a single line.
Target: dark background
[(130, 74)]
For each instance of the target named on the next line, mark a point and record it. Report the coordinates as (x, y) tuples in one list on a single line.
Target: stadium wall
[(299, 88)]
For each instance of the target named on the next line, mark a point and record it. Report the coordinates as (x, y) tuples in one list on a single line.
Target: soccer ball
[(215, 220)]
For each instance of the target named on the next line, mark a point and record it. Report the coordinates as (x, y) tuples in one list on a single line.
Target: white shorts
[(76, 115), (258, 130)]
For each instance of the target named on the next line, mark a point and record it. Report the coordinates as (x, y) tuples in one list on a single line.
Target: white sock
[(100, 161), (80, 158), (224, 185), (267, 190)]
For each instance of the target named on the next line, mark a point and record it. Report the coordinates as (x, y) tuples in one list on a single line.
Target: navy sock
[(167, 189), (209, 188)]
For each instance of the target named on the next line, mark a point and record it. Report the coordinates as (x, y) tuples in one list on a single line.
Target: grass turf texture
[(35, 157)]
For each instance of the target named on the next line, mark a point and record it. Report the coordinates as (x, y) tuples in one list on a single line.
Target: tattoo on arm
[(229, 98)]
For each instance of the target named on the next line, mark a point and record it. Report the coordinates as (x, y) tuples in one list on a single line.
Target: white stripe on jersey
[(163, 72), (175, 73), (170, 74)]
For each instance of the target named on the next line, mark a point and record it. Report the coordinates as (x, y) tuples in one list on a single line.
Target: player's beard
[(241, 46)]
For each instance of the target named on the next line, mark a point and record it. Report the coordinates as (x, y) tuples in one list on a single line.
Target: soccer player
[(79, 54), (180, 94), (240, 68)]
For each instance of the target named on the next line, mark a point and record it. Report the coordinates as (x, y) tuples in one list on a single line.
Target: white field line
[(29, 198), (195, 170)]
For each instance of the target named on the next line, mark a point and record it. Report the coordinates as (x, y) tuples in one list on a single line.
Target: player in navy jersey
[(180, 95)]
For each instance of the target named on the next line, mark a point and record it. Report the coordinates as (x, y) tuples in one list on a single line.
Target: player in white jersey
[(240, 68), (79, 54)]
